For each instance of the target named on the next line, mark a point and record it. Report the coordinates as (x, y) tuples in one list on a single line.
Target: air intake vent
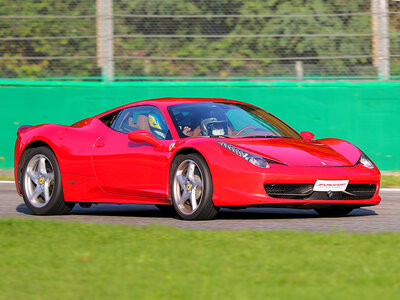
[(305, 191)]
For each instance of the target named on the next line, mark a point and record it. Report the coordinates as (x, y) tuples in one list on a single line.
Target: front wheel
[(334, 211), (41, 183), (192, 188)]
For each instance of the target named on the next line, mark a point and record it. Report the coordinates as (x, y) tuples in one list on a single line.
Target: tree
[(232, 43)]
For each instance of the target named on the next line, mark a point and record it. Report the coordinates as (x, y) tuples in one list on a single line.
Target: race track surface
[(384, 217)]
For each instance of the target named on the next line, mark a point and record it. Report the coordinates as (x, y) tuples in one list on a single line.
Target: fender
[(347, 149)]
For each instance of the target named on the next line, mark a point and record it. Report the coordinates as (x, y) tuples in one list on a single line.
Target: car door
[(131, 168)]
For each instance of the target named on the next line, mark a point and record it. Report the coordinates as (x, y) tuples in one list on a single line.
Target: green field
[(61, 260), (390, 181)]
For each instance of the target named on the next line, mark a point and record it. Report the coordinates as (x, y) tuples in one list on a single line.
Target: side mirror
[(143, 136), (307, 135)]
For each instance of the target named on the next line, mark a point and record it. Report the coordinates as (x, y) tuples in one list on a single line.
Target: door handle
[(99, 143)]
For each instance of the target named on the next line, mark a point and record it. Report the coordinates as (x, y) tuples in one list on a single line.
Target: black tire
[(55, 204), (205, 209), (334, 211), (166, 209)]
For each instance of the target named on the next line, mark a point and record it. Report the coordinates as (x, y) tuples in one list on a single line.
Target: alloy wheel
[(39, 180), (188, 187)]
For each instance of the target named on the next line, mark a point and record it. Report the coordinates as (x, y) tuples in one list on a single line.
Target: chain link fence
[(200, 39)]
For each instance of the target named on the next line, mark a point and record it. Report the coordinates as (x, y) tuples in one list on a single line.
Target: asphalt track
[(381, 218)]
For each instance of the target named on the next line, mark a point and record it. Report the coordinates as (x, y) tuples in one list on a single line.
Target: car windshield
[(230, 120)]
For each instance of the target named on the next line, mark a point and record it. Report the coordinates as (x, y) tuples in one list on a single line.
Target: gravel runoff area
[(381, 218)]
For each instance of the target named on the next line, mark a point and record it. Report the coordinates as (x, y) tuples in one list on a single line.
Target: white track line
[(389, 190), (383, 189)]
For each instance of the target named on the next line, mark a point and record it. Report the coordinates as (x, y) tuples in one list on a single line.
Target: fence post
[(105, 38), (380, 39), (299, 70)]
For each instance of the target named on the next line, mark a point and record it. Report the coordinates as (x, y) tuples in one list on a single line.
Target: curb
[(390, 190)]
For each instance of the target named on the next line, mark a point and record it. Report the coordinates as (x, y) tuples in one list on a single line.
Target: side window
[(147, 118), (109, 119)]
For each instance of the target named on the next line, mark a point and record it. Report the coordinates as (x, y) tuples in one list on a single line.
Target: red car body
[(98, 164)]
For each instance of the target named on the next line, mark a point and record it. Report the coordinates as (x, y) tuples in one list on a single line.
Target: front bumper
[(247, 187)]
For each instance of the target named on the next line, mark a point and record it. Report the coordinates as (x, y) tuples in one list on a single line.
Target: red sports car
[(193, 156)]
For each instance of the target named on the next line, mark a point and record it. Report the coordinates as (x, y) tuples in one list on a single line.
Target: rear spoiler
[(22, 128)]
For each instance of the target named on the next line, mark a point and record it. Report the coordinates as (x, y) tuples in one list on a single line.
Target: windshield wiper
[(219, 136)]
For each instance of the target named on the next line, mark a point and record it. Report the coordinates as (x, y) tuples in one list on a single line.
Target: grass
[(387, 181), (60, 260), (390, 181)]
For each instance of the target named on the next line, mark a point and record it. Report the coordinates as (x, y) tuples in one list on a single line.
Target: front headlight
[(251, 158), (365, 161)]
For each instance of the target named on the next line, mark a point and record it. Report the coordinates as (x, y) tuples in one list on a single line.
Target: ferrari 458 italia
[(191, 156)]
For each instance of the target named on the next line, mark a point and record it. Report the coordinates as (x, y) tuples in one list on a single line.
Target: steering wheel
[(244, 128)]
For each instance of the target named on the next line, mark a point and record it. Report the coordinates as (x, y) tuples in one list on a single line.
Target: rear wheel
[(192, 188), (334, 211), (41, 183)]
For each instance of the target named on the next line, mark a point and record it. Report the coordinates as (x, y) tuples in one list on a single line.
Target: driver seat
[(142, 122)]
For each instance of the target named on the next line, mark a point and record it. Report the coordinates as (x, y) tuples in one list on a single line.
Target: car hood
[(299, 152)]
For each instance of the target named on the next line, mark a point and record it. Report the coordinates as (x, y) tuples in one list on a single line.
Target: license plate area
[(330, 185)]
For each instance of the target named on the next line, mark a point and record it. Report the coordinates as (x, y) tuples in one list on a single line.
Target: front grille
[(289, 190), (305, 191), (359, 191)]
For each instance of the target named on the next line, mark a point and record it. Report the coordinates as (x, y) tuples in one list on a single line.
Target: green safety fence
[(364, 113)]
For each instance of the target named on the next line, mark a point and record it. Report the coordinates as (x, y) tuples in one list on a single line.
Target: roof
[(167, 101), (180, 100)]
